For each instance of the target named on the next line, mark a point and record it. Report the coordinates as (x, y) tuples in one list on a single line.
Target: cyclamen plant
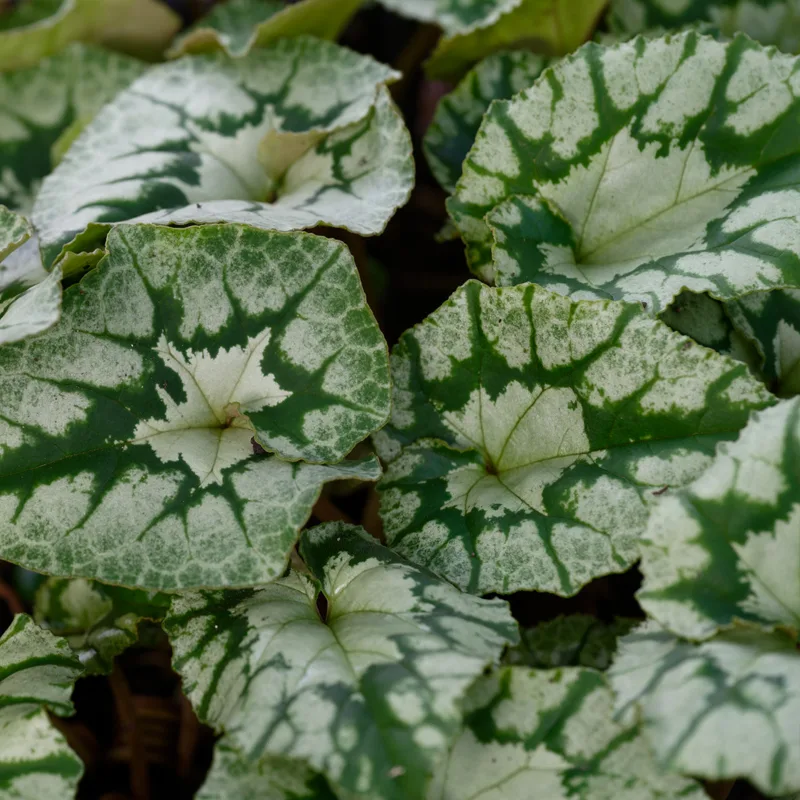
[(189, 364)]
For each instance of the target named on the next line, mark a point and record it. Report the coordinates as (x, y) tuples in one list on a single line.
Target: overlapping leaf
[(98, 621), (550, 734), (294, 135), (452, 131), (727, 548), (132, 433), (37, 671), (638, 170), (237, 26), (769, 21), (738, 697), (369, 694), (537, 431), (39, 28)]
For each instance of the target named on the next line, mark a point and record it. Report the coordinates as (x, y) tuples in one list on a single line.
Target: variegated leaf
[(452, 132), (728, 547), (238, 26), (738, 697), (37, 672), (638, 170), (39, 28), (97, 620), (133, 433), (15, 230), (538, 432), (43, 108), (292, 136), (550, 734), (768, 21), (368, 694)]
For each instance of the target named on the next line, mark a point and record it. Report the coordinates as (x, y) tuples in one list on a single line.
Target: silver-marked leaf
[(97, 620), (292, 136), (238, 26), (37, 671), (539, 430), (133, 433), (727, 548), (15, 230), (452, 15), (370, 695), (768, 21), (638, 170), (739, 702), (455, 124), (36, 29), (551, 734), (578, 640), (42, 108)]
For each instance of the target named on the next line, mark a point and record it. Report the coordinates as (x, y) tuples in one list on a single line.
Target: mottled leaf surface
[(727, 548), (37, 671), (638, 170), (15, 230), (537, 431), (98, 621), (455, 124), (128, 433), (739, 698), (551, 734), (292, 136), (370, 694)]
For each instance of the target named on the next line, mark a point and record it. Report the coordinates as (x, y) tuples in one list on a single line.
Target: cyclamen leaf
[(739, 698), (305, 123), (558, 424), (455, 124), (550, 734), (768, 21), (238, 26), (370, 696), (97, 620), (15, 230), (43, 106), (726, 548), (453, 15), (574, 182), (127, 442), (37, 671), (41, 28)]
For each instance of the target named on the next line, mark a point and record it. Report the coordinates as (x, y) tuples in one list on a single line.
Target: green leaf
[(240, 25), (768, 21), (539, 430), (550, 734), (370, 695), (42, 105), (292, 136), (738, 697), (98, 621), (40, 28), (598, 185), (455, 124), (575, 641), (726, 548), (37, 671), (15, 230), (128, 442)]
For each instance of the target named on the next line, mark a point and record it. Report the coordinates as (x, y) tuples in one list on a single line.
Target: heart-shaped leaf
[(37, 672), (773, 22), (739, 698), (455, 124), (132, 443), (550, 734), (726, 548), (538, 430), (638, 170), (292, 136), (240, 25), (368, 693)]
